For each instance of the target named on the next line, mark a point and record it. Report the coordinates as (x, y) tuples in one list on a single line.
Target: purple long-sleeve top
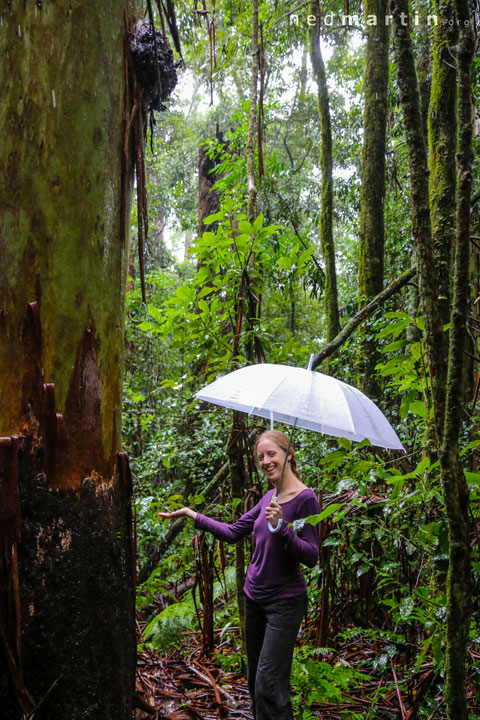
[(274, 571)]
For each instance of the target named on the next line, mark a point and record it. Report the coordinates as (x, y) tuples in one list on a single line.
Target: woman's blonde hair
[(283, 442)]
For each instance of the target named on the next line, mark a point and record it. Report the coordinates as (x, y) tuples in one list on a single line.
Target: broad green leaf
[(472, 478), (329, 510), (285, 262), (216, 217), (155, 313), (245, 227), (417, 407), (422, 465)]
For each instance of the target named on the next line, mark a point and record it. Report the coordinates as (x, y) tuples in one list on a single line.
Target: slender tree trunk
[(459, 581), (237, 480), (372, 195), (67, 633), (252, 122), (441, 143), (246, 301), (422, 232), (326, 211)]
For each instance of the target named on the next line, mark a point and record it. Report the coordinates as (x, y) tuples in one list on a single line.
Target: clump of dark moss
[(144, 55)]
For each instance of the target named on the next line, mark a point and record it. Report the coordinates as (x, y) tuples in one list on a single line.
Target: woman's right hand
[(182, 512)]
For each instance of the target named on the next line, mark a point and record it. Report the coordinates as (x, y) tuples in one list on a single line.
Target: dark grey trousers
[(270, 633)]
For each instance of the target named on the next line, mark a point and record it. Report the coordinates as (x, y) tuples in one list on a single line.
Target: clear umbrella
[(303, 397)]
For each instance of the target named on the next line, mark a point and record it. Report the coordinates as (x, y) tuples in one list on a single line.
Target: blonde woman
[(275, 588)]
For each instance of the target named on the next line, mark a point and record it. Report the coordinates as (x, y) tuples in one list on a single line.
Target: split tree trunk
[(67, 636)]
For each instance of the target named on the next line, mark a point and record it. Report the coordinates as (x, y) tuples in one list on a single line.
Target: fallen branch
[(208, 677), (362, 314), (397, 690)]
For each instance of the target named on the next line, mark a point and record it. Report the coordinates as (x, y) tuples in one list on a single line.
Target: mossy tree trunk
[(422, 230), (459, 581), (448, 423), (332, 317), (237, 484), (67, 636), (372, 194), (441, 145)]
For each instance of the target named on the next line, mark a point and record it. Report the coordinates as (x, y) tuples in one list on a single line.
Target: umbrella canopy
[(304, 398)]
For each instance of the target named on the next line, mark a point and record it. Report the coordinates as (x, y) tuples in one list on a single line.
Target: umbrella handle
[(279, 524)]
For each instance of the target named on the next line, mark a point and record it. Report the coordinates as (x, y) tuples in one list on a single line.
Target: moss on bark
[(459, 581), (326, 165), (372, 193), (441, 144), (422, 231)]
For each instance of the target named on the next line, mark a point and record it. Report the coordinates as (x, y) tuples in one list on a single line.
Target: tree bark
[(422, 232), (372, 194), (67, 633), (441, 144), (237, 480), (252, 122), (459, 580), (332, 316)]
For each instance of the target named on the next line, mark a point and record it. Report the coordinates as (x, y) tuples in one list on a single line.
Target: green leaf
[(285, 262), (418, 407), (423, 465), (329, 510), (213, 218), (185, 293), (472, 478), (258, 223), (245, 227), (155, 313)]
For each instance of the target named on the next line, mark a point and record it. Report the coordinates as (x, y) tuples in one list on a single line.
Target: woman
[(275, 589)]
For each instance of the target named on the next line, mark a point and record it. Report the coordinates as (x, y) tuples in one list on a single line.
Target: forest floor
[(187, 686)]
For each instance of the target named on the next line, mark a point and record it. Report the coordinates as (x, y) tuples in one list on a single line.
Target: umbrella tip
[(310, 362)]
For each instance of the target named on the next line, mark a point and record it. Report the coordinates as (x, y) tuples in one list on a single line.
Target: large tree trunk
[(372, 196), (422, 231), (67, 635), (332, 317), (459, 582)]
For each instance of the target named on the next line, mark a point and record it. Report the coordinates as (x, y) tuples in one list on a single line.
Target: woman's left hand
[(273, 513)]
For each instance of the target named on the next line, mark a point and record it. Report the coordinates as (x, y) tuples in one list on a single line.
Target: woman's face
[(270, 458)]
